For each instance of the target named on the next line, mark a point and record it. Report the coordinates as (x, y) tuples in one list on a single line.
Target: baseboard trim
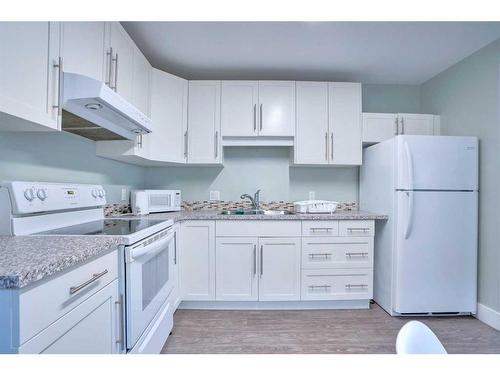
[(488, 316), (285, 305)]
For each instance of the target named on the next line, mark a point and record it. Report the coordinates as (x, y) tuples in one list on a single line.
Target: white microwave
[(145, 202)]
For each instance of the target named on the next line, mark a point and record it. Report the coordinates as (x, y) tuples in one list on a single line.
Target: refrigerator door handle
[(409, 217), (409, 165)]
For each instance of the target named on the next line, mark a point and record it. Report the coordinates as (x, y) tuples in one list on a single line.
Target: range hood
[(93, 110)]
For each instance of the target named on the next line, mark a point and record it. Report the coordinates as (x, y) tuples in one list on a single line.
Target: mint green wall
[(391, 98), (62, 157), (247, 169), (467, 98)]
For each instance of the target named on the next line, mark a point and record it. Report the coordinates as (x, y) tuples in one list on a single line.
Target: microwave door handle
[(150, 250)]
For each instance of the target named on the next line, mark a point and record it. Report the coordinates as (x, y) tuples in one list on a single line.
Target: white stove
[(148, 256)]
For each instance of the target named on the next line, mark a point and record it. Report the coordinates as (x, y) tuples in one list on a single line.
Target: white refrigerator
[(426, 252)]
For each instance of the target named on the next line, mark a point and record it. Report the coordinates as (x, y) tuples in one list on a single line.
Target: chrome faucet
[(255, 199)]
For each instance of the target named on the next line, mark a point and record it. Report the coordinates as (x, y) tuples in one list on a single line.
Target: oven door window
[(155, 275)]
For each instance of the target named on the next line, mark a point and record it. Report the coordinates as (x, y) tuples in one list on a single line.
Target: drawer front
[(357, 228), (337, 252), (52, 299), (258, 228), (320, 228), (338, 284)]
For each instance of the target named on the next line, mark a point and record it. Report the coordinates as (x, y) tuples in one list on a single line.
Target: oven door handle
[(150, 250)]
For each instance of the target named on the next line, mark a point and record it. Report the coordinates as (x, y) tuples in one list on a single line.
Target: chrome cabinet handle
[(216, 144), (186, 144), (320, 229), (319, 255), (120, 339), (396, 123), (254, 260), (352, 286), (109, 60), (331, 147), (326, 146), (115, 86), (260, 114), (59, 66), (358, 229), (360, 254), (255, 117), (261, 260), (139, 141), (325, 286), (95, 277), (175, 247), (402, 125)]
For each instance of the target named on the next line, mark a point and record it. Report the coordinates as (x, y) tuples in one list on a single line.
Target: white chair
[(416, 338)]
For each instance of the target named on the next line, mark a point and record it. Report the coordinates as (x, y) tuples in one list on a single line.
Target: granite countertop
[(215, 215), (27, 259)]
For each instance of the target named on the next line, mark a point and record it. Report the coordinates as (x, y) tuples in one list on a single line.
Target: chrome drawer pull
[(324, 255), (358, 229), (95, 277), (356, 255), (315, 229), (351, 286), (313, 287)]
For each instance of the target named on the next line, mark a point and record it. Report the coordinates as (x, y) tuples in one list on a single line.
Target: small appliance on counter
[(315, 206), (145, 202)]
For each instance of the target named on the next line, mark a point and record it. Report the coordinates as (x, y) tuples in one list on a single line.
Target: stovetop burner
[(110, 227)]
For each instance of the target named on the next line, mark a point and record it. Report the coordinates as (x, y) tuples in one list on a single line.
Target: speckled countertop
[(215, 215), (27, 259)]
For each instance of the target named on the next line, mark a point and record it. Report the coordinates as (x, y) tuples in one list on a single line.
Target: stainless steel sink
[(255, 212)]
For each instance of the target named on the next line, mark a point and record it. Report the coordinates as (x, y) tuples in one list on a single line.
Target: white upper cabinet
[(311, 134), (141, 82), (276, 108), (83, 49), (239, 108), (203, 138), (169, 95), (121, 52), (378, 127), (345, 123), (29, 76), (258, 108)]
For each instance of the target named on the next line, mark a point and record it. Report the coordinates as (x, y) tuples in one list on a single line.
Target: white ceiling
[(368, 52)]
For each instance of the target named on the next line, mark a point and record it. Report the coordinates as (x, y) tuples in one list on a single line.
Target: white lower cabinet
[(279, 269), (197, 260)]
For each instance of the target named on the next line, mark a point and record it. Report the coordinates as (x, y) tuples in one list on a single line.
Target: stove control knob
[(41, 194), (29, 194), (100, 193), (94, 193), (103, 193)]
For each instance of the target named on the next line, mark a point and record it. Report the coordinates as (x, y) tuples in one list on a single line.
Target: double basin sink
[(255, 212)]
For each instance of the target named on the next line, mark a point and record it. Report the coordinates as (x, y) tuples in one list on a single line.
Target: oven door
[(149, 270)]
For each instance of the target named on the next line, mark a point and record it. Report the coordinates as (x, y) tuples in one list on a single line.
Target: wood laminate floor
[(316, 331)]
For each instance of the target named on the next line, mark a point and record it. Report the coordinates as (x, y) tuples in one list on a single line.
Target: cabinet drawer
[(337, 252), (52, 299), (340, 284), (258, 228), (357, 228), (320, 228)]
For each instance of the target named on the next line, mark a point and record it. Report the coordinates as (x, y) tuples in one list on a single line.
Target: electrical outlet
[(124, 194), (312, 195), (214, 195)]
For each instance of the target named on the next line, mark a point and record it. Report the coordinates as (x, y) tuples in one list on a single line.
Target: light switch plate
[(312, 195), (124, 194), (214, 195)]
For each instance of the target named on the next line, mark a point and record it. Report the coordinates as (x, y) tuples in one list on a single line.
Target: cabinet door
[(378, 127), (29, 53), (239, 108), (276, 108), (204, 122), (93, 327), (279, 269), (83, 49), (169, 96), (345, 123), (415, 124), (122, 61), (197, 260), (311, 133), (236, 269), (141, 80)]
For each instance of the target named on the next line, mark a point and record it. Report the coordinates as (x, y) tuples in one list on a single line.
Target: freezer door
[(436, 252), (436, 163)]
